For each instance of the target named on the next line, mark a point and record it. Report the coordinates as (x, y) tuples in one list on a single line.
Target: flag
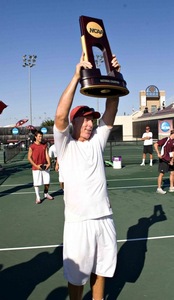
[(21, 122), (2, 106)]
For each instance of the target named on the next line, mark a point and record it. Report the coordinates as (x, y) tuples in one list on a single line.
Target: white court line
[(108, 180), (109, 188), (130, 179), (25, 184), (61, 245), (24, 193), (131, 187), (149, 238), (30, 248)]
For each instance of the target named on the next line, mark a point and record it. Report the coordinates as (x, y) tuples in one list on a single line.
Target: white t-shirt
[(82, 167), (150, 141), (52, 151)]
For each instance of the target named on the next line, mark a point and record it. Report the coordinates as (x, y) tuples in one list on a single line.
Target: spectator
[(167, 146), (147, 137), (40, 161), (53, 157)]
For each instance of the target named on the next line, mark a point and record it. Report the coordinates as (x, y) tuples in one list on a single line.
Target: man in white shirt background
[(147, 137)]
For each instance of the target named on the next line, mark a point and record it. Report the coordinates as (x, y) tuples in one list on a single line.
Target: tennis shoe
[(150, 164), (171, 190), (49, 197), (142, 164), (160, 191), (38, 201)]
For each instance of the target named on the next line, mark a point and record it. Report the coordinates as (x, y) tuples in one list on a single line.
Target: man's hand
[(87, 65), (115, 63), (82, 64)]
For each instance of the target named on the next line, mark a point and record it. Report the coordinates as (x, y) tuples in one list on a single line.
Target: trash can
[(117, 162)]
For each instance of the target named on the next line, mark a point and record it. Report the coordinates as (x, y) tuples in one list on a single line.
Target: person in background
[(165, 165), (89, 242), (53, 156), (40, 161), (147, 137)]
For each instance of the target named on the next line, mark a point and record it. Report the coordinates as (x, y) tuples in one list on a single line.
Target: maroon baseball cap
[(82, 111)]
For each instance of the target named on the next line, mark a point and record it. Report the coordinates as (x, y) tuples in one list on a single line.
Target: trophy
[(93, 83)]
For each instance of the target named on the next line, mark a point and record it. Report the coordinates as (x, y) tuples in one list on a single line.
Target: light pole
[(29, 61)]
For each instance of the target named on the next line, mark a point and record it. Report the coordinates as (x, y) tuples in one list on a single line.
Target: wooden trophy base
[(93, 84)]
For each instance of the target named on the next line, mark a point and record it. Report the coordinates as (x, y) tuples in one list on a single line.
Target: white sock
[(37, 192), (151, 161), (143, 161)]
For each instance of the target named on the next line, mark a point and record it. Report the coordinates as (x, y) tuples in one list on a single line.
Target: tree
[(47, 123)]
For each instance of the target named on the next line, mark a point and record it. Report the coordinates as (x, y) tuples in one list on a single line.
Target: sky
[(140, 34)]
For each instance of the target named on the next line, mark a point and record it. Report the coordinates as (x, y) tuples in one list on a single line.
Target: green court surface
[(31, 235)]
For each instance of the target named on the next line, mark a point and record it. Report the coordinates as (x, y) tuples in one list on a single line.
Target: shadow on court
[(18, 282), (131, 259), (59, 293), (131, 256), (9, 170), (57, 193), (15, 189), (62, 292), (166, 183)]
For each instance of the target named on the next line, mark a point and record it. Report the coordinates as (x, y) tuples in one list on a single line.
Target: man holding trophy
[(89, 242)]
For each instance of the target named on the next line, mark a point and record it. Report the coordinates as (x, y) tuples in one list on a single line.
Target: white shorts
[(89, 247), (40, 177)]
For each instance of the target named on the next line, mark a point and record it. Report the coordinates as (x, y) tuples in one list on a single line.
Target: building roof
[(169, 110)]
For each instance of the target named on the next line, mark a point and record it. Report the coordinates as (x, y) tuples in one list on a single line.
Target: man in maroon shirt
[(167, 146), (40, 161)]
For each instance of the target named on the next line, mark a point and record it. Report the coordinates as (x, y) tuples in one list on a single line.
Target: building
[(152, 100), (153, 112)]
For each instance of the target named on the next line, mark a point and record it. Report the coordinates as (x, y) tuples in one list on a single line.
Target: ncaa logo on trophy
[(93, 83)]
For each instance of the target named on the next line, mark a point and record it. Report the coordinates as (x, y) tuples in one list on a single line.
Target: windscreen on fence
[(11, 151)]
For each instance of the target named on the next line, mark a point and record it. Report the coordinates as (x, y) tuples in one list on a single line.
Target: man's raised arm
[(61, 118), (112, 102)]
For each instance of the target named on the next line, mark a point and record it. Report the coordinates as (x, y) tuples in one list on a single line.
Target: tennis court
[(31, 235)]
